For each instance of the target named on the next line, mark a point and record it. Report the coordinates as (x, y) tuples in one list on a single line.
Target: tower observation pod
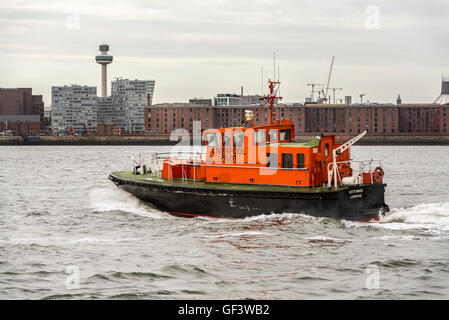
[(104, 59)]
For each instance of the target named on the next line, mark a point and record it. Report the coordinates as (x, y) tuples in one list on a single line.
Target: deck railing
[(364, 166), (152, 163)]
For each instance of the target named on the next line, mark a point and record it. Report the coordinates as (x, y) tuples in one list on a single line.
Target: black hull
[(353, 203)]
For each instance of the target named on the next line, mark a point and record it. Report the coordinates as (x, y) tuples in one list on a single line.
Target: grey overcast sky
[(198, 48)]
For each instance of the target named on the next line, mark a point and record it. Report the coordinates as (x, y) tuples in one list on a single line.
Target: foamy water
[(63, 213), (108, 199), (425, 214)]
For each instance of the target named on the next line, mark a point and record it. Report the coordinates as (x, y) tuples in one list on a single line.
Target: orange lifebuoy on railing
[(380, 170), (378, 174)]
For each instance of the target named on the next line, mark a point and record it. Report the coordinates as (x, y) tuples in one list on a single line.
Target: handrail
[(156, 159), (337, 151), (361, 167)]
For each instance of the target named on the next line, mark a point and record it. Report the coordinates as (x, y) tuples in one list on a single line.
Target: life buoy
[(378, 175), (380, 171)]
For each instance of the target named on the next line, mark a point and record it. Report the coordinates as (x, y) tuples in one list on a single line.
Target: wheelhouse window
[(300, 160), (260, 137), (239, 137), (285, 134), (227, 139), (273, 135), (213, 139), (272, 160), (287, 160)]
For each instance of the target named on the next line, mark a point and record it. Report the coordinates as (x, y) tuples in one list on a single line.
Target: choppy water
[(60, 216)]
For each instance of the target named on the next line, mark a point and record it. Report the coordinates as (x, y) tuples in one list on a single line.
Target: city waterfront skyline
[(381, 48)]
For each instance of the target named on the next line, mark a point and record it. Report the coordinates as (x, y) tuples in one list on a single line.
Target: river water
[(66, 232)]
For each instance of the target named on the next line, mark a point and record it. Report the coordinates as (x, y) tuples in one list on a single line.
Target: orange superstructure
[(266, 154)]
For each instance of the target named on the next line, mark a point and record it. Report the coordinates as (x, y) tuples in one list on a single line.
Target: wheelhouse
[(268, 155)]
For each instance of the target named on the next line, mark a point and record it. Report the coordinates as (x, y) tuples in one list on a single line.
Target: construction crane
[(325, 98), (361, 97), (313, 89), (333, 90)]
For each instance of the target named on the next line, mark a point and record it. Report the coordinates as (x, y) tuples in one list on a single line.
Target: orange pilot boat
[(259, 169)]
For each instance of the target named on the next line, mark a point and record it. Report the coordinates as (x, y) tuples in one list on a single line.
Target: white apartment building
[(74, 107), (129, 99)]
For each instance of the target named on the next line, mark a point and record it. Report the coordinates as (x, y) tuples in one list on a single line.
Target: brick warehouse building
[(166, 117), (379, 119), (21, 112), (309, 119)]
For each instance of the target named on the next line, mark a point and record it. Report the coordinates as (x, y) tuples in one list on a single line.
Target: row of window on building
[(421, 119)]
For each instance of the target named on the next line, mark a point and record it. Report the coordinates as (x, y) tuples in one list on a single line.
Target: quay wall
[(87, 140), (165, 140)]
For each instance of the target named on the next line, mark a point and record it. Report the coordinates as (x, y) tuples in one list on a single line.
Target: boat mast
[(270, 98)]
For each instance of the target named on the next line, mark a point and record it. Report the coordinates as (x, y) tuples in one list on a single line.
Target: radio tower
[(104, 59)]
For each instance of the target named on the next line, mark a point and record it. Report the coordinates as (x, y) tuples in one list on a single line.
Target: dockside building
[(74, 108), (21, 112), (125, 108), (310, 119)]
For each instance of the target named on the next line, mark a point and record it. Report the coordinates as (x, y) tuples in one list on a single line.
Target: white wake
[(108, 199), (432, 216)]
